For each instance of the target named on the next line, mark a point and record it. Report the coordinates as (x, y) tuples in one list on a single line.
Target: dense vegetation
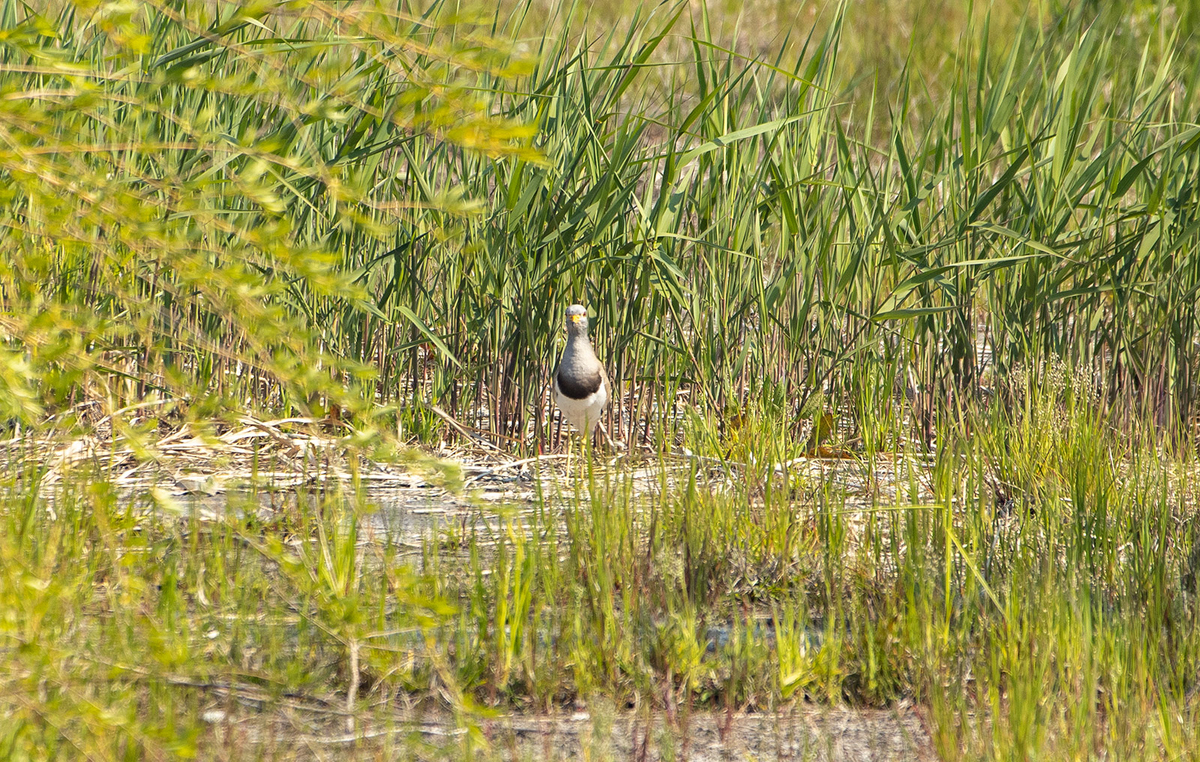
[(202, 205), (965, 264)]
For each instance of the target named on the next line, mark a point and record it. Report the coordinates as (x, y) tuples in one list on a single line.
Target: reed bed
[(307, 210)]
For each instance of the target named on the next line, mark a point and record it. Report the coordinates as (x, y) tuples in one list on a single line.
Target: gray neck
[(579, 358)]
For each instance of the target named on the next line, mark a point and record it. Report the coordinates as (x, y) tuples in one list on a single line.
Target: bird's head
[(577, 321)]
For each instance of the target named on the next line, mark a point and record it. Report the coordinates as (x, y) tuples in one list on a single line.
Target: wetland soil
[(825, 734), (809, 733)]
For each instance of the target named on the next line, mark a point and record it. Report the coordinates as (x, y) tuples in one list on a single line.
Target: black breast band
[(578, 388)]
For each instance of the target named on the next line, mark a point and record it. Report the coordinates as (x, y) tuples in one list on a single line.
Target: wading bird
[(580, 384)]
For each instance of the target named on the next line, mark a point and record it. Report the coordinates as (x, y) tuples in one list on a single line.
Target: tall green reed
[(289, 205), (742, 230)]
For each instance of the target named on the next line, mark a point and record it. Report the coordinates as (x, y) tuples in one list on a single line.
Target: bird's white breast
[(583, 414)]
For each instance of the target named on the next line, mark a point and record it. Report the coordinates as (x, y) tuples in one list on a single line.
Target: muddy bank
[(825, 734), (806, 732)]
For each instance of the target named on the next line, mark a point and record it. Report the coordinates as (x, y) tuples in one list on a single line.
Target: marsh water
[(412, 514)]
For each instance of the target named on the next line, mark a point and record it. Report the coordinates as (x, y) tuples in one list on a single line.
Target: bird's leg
[(609, 442), (589, 450), (570, 446)]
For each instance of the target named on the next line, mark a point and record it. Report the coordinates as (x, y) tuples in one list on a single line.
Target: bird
[(581, 386)]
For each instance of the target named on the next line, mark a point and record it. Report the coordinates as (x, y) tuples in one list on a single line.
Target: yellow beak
[(576, 318)]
